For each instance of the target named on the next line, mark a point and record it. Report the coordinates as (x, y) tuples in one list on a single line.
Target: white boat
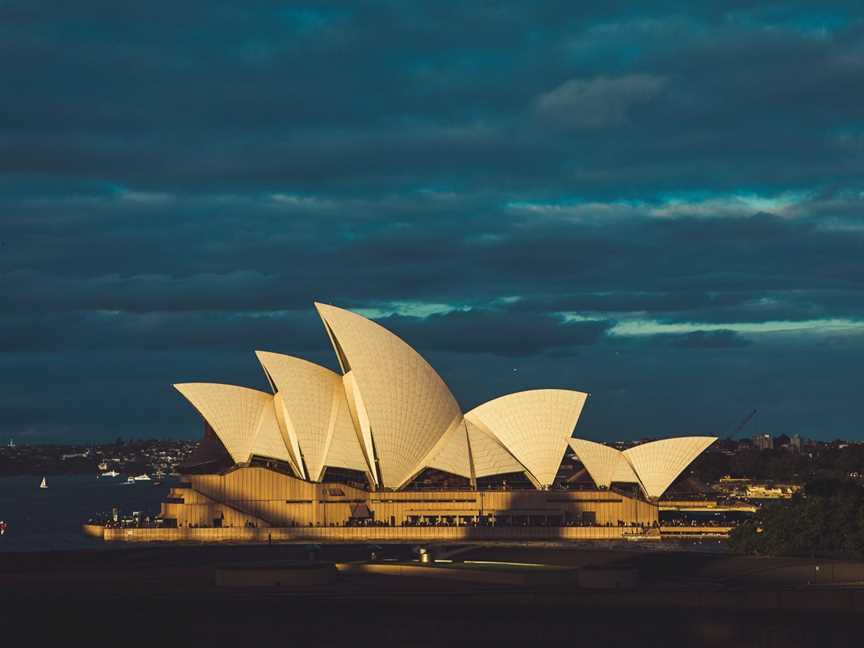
[(110, 473), (130, 480), (44, 483), (144, 477)]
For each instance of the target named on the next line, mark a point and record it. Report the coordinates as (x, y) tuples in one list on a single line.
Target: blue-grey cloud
[(493, 331), (719, 339), (608, 198)]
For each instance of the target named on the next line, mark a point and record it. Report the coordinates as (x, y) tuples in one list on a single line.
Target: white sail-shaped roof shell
[(244, 419), (534, 426), (604, 464), (659, 463), (451, 454), (391, 415), (361, 423), (343, 447), (409, 407), (490, 457), (268, 439), (315, 413)]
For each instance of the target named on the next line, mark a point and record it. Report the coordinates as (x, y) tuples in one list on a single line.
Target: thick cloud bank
[(662, 207)]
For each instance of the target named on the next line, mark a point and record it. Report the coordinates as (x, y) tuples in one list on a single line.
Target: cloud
[(597, 103), (719, 339), (495, 332), (517, 188)]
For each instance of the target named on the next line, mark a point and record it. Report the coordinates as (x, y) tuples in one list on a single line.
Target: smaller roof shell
[(488, 453), (242, 418), (451, 453), (315, 412), (659, 463), (604, 464), (534, 426)]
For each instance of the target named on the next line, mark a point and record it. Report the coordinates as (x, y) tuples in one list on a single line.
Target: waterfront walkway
[(397, 533)]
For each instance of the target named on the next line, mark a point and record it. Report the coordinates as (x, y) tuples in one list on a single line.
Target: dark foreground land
[(167, 595)]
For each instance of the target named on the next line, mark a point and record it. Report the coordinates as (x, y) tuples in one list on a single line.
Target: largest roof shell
[(408, 404)]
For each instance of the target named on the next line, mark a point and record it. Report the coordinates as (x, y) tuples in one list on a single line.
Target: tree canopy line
[(780, 464), (825, 519)]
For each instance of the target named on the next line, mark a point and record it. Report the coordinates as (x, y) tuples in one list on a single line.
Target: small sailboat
[(110, 473), (143, 477), (44, 483)]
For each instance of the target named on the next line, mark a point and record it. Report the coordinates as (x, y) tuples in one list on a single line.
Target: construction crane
[(742, 424)]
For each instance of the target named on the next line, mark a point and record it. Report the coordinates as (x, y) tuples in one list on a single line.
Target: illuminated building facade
[(384, 443)]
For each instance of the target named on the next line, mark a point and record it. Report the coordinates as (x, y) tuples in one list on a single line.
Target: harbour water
[(51, 518)]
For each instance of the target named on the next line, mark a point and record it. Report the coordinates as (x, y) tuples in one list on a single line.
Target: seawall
[(389, 534)]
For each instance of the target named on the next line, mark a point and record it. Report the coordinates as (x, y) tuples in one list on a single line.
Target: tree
[(827, 519)]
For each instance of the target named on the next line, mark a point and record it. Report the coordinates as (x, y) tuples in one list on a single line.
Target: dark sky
[(662, 207)]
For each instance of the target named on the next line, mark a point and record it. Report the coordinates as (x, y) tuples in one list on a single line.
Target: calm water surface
[(51, 519)]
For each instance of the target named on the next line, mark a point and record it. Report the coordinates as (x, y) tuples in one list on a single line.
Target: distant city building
[(748, 489), (744, 444), (763, 441), (795, 442), (772, 491)]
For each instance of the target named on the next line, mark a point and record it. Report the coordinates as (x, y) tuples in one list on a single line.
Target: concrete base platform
[(392, 534)]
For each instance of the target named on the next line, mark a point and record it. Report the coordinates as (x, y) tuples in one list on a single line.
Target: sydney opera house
[(384, 444)]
